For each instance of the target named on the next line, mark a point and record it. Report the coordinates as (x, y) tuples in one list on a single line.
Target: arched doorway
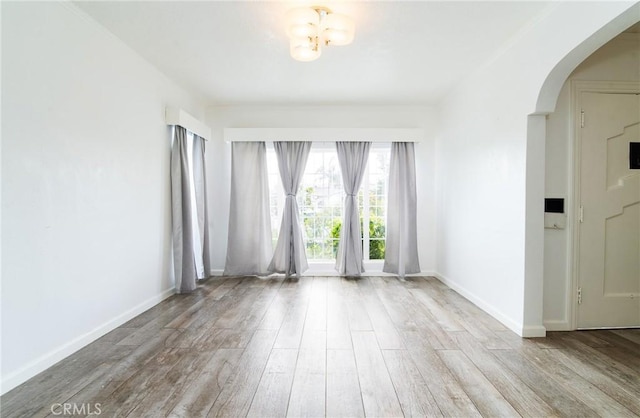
[(550, 102)]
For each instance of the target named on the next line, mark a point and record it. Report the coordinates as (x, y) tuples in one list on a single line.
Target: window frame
[(322, 265)]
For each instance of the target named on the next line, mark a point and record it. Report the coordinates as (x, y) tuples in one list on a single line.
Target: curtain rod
[(176, 116), (324, 134)]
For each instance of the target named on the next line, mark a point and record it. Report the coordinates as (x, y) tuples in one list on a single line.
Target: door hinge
[(582, 118), (581, 214), (579, 296)]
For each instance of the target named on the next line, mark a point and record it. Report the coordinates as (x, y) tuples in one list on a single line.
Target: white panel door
[(609, 247)]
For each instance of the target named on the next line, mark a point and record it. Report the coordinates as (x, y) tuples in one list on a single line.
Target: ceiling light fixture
[(309, 28)]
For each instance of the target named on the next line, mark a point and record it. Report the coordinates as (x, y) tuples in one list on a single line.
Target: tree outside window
[(321, 201)]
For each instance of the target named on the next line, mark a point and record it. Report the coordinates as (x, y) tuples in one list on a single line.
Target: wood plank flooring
[(337, 347)]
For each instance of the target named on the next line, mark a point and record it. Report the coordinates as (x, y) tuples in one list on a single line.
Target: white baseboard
[(327, 270), (44, 362), (515, 326), (557, 325), (533, 331)]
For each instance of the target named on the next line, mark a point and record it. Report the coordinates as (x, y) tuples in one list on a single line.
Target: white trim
[(331, 272), (557, 325), (515, 326), (324, 134), (216, 272), (175, 116), (327, 269), (533, 331), (577, 88), (582, 86), (44, 362)]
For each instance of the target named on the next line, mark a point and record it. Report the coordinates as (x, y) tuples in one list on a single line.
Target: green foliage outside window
[(320, 201), (376, 235)]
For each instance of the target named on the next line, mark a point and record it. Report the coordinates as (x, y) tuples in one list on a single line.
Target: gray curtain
[(249, 246), (401, 253), (353, 158), (289, 256), (183, 253), (200, 182)]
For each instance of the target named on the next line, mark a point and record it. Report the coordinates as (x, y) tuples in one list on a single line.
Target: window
[(372, 200), (321, 201)]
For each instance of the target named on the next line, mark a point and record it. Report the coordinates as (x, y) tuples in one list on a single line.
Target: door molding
[(577, 88)]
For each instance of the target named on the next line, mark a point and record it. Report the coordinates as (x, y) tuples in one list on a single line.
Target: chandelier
[(310, 28)]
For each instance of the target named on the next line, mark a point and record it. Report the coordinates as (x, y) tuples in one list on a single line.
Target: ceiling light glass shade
[(304, 49), (309, 29), (302, 22), (337, 29)]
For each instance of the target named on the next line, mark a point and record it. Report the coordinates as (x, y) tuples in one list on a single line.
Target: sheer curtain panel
[(401, 254), (249, 246), (182, 220), (200, 183), (353, 161), (289, 256)]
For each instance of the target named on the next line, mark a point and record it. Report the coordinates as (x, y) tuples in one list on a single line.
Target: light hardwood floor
[(329, 346)]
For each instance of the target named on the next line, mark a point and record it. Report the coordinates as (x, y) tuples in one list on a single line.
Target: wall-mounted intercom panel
[(554, 213)]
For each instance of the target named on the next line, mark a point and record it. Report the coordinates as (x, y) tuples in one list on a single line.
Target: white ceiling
[(236, 52)]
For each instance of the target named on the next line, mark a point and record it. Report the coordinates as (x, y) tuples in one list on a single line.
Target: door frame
[(577, 88)]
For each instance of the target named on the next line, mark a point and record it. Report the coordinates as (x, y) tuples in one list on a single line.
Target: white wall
[(219, 156), (491, 169), (85, 184), (618, 60), (86, 222)]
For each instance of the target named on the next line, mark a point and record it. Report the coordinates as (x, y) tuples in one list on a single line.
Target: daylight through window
[(321, 201)]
